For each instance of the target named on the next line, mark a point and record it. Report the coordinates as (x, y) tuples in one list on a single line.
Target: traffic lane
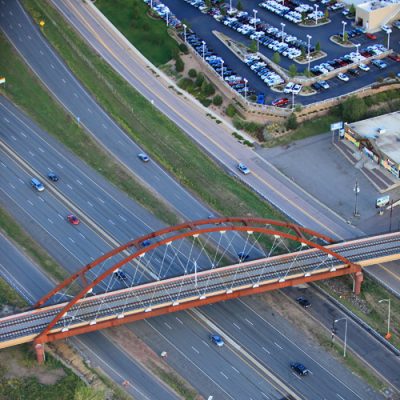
[(45, 154), (253, 332), (22, 273), (197, 355), (77, 101), (225, 149), (360, 341), (388, 272)]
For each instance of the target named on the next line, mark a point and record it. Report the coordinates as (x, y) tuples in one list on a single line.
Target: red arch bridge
[(189, 265)]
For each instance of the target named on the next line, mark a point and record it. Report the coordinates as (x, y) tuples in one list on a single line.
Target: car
[(364, 67), (370, 36), (243, 169), (121, 276), (324, 84), (343, 77), (288, 88), (297, 88), (386, 28), (299, 368), (53, 177), (36, 184), (316, 86), (394, 57), (145, 243), (260, 98), (243, 256), (217, 340), (396, 24), (379, 63), (353, 71), (72, 219), (303, 302), (283, 101)]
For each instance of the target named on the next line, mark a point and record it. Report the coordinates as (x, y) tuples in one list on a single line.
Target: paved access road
[(31, 283)]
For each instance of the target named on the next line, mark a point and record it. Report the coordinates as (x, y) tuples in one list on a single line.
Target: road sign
[(337, 125)]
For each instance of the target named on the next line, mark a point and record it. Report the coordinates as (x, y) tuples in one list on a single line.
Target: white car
[(243, 169), (364, 67), (324, 84), (297, 88), (343, 77), (386, 28), (288, 88)]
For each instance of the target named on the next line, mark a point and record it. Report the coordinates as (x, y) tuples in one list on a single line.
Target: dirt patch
[(17, 367)]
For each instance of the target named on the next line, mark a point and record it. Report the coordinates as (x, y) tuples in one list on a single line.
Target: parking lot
[(203, 25)]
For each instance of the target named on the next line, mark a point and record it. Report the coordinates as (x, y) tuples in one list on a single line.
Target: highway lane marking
[(29, 37), (69, 186), (265, 395), (76, 95), (205, 343), (101, 200), (249, 322), (111, 222), (123, 218), (21, 181), (168, 326), (31, 153), (79, 182), (19, 25), (223, 375), (236, 326), (63, 80), (235, 369), (340, 397), (91, 112), (41, 199), (90, 204), (48, 219), (52, 66), (179, 320), (12, 185), (104, 126), (30, 203), (7, 120), (195, 350), (72, 240), (61, 217), (277, 345), (82, 235), (4, 165), (59, 166), (41, 52), (267, 351), (23, 134), (41, 150), (188, 121), (13, 138)]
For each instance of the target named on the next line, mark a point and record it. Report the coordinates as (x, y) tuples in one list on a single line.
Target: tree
[(208, 3), (192, 73), (253, 46), (276, 58), (352, 9), (207, 88), (303, 52), (199, 80), (345, 37), (326, 14), (239, 6), (318, 46), (353, 109), (179, 64), (291, 122), (183, 48), (292, 70), (217, 100), (303, 17)]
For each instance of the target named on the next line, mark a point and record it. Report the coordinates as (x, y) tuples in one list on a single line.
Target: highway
[(35, 219), (58, 79)]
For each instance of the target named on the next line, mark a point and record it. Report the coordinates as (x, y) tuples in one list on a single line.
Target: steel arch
[(299, 237)]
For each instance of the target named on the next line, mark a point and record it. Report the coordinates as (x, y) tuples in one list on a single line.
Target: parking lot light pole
[(388, 334), (204, 47), (167, 18), (292, 100), (255, 19), (357, 53), (184, 31), (222, 69), (283, 28), (345, 333), (344, 23), (356, 191), (230, 6), (388, 41), (308, 50), (151, 4), (245, 89), (316, 13)]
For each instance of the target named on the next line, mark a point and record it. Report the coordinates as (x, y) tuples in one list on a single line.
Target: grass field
[(148, 34), (157, 134)]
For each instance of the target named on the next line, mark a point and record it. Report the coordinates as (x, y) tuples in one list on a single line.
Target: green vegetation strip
[(15, 232), (8, 296), (164, 141), (27, 92)]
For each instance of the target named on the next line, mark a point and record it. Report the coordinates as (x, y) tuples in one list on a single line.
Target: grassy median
[(163, 140)]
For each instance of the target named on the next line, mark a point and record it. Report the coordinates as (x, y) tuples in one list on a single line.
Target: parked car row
[(164, 12), (266, 74), (236, 82), (290, 10), (291, 87)]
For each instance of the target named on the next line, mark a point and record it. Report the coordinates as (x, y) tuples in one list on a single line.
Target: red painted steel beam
[(50, 337), (176, 228)]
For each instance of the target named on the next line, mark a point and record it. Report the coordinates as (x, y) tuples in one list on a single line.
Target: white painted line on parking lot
[(13, 138), (41, 150), (179, 320), (205, 343), (4, 165), (265, 395), (60, 166), (69, 186), (223, 375), (64, 81), (12, 185), (104, 126), (79, 182), (155, 177), (76, 95), (90, 204), (19, 25), (60, 216), (7, 120), (123, 218), (52, 66), (195, 350), (111, 222), (267, 351), (82, 235), (72, 240), (21, 181), (30, 202), (41, 52), (168, 326), (29, 37), (236, 326), (90, 111), (41, 199), (249, 322), (235, 369), (277, 345), (48, 219), (32, 154), (23, 134), (101, 200), (340, 397)]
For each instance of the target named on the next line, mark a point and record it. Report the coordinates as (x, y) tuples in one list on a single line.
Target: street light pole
[(316, 13), (230, 6), (344, 23), (245, 89), (151, 4), (358, 54), (308, 48), (388, 334), (283, 28), (255, 18), (345, 333), (167, 18), (356, 191), (222, 69), (184, 31), (292, 100), (204, 45), (390, 218), (388, 41)]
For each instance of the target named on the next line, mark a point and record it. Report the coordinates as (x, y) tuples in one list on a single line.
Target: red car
[(72, 219), (280, 102), (370, 36), (394, 57)]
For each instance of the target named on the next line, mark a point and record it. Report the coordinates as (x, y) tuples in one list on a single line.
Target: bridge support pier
[(39, 349), (358, 279)]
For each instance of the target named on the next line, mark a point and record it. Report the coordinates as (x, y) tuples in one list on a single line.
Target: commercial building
[(379, 139), (371, 15)]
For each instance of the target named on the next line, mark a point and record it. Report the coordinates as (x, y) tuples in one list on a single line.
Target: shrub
[(183, 48), (276, 58), (353, 109), (217, 100), (291, 122), (192, 73), (186, 84), (207, 89), (231, 110), (292, 70), (199, 80), (179, 64), (205, 102), (318, 46)]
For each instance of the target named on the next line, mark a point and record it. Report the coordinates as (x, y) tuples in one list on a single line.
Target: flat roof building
[(373, 14), (379, 139)]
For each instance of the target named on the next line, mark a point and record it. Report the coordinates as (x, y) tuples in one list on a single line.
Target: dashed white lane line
[(104, 126), (69, 186), (223, 375), (277, 345), (168, 326), (340, 397), (52, 66), (123, 218), (41, 150), (111, 222), (23, 134), (72, 240), (41, 52), (48, 219), (249, 322), (7, 120), (236, 326), (12, 185), (195, 350), (59, 166), (63, 80), (82, 235), (90, 204), (267, 351), (235, 369), (79, 182), (205, 343), (179, 320), (30, 203), (101, 200)]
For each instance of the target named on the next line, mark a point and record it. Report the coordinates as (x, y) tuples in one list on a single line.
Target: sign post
[(337, 126)]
